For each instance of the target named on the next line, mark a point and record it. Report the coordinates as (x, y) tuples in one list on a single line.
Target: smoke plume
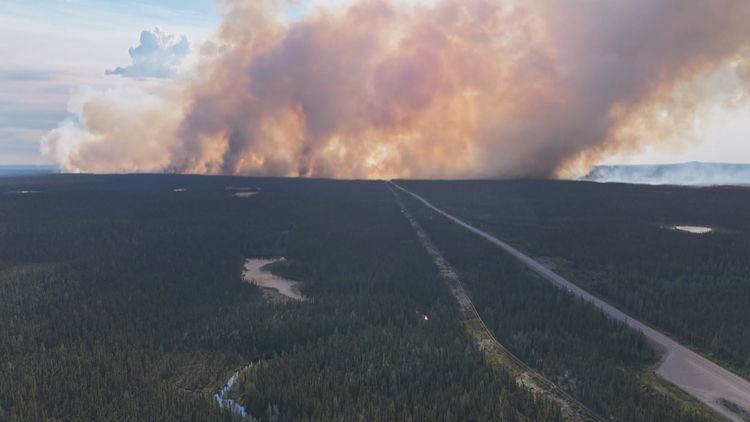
[(433, 88)]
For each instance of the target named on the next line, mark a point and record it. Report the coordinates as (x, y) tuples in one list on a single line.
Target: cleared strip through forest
[(718, 388), (525, 376)]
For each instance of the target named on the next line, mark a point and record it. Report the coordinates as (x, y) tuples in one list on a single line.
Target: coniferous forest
[(600, 362), (122, 300), (618, 241)]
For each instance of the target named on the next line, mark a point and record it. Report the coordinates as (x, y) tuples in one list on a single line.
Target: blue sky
[(52, 47)]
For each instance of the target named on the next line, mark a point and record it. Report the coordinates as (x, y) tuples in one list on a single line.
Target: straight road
[(708, 382), (525, 376)]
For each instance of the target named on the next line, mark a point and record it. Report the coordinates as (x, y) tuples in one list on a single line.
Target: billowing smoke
[(432, 88)]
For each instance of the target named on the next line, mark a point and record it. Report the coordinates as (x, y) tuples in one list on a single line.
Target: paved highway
[(696, 375)]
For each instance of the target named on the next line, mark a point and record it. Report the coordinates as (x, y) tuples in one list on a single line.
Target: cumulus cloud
[(155, 57), (431, 88)]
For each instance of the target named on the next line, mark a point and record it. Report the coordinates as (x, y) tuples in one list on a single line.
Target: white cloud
[(156, 56)]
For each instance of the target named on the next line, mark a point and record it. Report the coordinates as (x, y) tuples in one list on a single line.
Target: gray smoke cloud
[(440, 88)]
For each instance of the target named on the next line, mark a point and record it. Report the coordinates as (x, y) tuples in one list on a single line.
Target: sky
[(52, 50), (722, 137)]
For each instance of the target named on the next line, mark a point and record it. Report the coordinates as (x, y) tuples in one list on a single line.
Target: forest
[(600, 362), (618, 241), (121, 300)]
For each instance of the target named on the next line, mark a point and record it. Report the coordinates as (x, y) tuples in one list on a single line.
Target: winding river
[(227, 403)]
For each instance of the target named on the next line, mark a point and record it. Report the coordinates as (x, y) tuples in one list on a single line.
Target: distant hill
[(23, 170), (693, 173)]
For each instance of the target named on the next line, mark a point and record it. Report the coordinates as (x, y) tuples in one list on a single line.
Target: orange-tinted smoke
[(441, 89)]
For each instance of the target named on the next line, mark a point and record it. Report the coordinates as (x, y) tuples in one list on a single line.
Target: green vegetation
[(122, 300), (496, 357), (594, 359), (615, 241)]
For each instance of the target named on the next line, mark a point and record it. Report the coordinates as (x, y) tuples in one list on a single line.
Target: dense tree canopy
[(617, 241), (121, 299)]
